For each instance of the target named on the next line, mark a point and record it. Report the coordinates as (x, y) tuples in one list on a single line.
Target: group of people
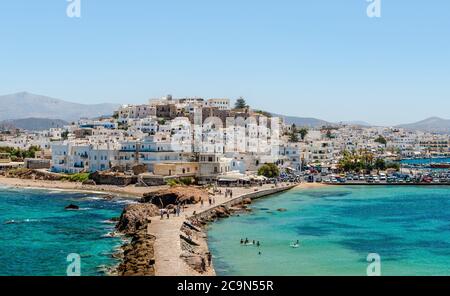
[(176, 211), (211, 201), (247, 242), (229, 193)]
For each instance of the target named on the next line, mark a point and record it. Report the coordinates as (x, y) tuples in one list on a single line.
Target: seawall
[(239, 200)]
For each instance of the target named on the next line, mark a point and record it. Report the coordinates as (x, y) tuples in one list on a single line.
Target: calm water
[(409, 227), (426, 160), (43, 233)]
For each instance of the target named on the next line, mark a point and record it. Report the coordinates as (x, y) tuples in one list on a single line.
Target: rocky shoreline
[(194, 239), (137, 254)]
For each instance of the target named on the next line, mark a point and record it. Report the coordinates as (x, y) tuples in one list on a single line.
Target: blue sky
[(312, 58)]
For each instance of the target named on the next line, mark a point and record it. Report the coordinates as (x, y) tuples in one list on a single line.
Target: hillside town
[(209, 140)]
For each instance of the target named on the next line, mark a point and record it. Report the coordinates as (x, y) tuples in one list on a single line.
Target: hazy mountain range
[(27, 105), (432, 124), (303, 121)]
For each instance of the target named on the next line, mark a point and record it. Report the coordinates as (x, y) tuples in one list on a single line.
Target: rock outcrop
[(113, 178), (195, 248), (28, 174), (72, 207), (138, 255), (136, 216), (89, 183), (247, 201), (175, 195)]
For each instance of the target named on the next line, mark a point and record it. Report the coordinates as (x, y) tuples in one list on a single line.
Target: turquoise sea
[(425, 160), (409, 227), (37, 233)]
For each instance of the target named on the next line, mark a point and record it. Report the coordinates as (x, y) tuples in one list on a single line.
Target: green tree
[(303, 132), (393, 165), (269, 170), (240, 103), (19, 154), (380, 164), (381, 140), (293, 136), (65, 135)]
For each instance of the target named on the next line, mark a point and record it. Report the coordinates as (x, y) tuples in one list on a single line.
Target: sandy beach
[(126, 192)]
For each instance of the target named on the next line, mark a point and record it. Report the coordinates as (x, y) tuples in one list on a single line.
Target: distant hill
[(304, 121), (34, 124), (27, 105), (432, 124)]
